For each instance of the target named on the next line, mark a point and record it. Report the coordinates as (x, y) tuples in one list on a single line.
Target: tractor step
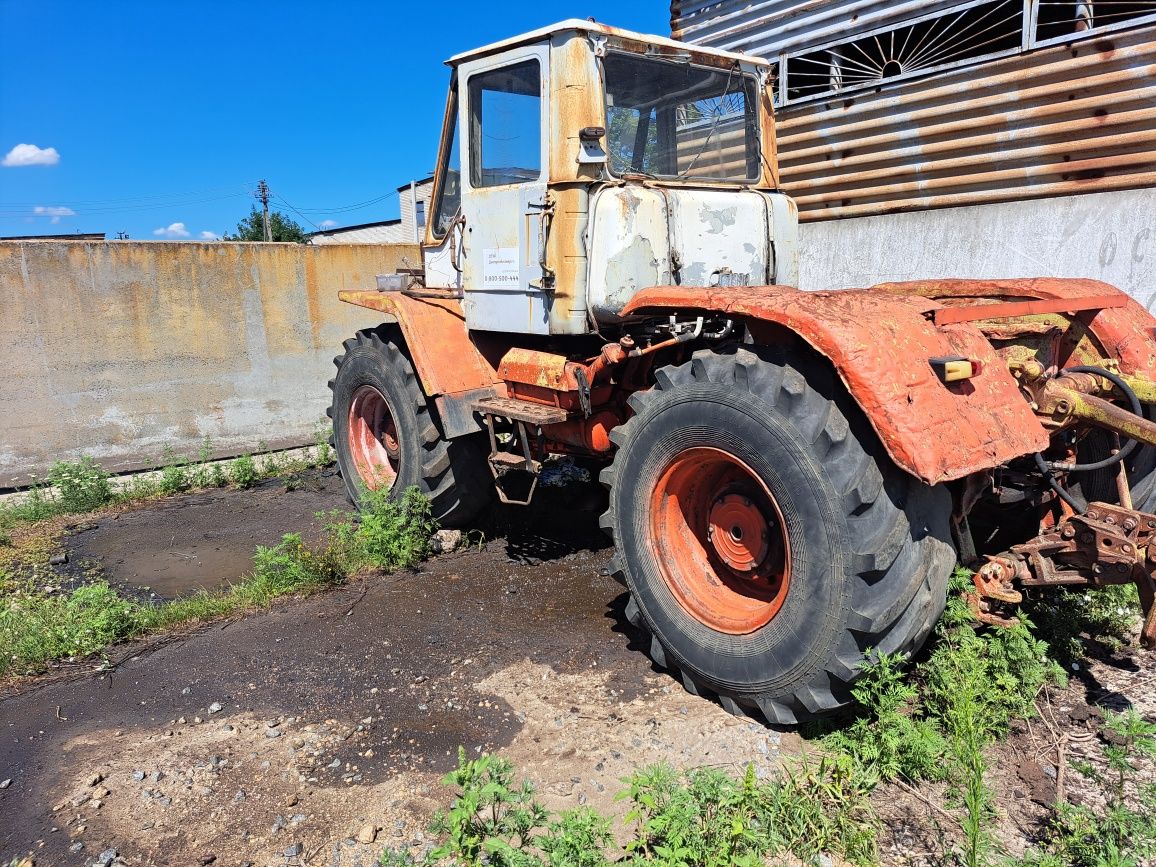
[(520, 410), (509, 460)]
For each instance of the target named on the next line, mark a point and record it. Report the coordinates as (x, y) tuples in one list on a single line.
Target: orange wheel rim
[(720, 541), (373, 442)]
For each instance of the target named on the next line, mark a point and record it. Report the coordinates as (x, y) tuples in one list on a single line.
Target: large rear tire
[(766, 539), (385, 435)]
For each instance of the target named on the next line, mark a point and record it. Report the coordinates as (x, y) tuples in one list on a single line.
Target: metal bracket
[(1107, 545), (503, 462), (583, 391)]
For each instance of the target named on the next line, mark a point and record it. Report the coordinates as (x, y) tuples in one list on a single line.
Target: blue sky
[(157, 118)]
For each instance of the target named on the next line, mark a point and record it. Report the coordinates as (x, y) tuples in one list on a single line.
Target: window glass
[(419, 214), (675, 120), (506, 125), (449, 195)]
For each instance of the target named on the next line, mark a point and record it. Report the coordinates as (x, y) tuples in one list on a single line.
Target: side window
[(449, 195), (506, 125)]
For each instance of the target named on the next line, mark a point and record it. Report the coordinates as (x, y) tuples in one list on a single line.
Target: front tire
[(385, 436), (766, 539)]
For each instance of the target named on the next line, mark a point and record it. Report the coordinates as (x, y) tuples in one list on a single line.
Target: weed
[(891, 738), (175, 476), (243, 471), (704, 817), (1121, 832), (200, 474), (322, 450), (139, 487), (1106, 615), (81, 486), (389, 534), (36, 628), (286, 568)]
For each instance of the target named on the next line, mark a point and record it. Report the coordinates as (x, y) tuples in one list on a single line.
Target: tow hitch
[(1106, 545)]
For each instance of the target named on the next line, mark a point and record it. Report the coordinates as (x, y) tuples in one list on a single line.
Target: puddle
[(204, 541)]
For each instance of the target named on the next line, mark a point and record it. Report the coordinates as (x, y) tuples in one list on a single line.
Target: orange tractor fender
[(449, 365), (880, 344)]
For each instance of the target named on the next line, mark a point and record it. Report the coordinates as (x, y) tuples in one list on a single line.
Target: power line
[(295, 211), (354, 207)]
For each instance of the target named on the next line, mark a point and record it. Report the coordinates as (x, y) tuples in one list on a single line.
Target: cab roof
[(578, 24)]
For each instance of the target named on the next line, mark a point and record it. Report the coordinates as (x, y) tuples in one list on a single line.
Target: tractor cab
[(580, 163)]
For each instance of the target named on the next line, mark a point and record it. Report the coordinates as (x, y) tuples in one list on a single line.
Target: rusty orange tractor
[(792, 475)]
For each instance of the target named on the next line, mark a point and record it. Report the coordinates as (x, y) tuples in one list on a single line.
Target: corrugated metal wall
[(1070, 118), (768, 27)]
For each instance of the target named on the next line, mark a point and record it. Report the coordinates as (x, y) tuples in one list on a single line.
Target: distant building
[(382, 232), (984, 138), (408, 229)]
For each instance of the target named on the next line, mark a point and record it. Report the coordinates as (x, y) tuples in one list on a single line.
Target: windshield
[(674, 120)]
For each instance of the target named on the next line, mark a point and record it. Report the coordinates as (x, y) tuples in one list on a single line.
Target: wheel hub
[(738, 532), (720, 541), (373, 442)]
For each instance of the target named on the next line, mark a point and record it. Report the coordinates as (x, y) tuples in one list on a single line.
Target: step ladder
[(522, 413)]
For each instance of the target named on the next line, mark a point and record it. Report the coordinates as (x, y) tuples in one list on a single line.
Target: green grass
[(701, 818), (37, 628), (77, 487)]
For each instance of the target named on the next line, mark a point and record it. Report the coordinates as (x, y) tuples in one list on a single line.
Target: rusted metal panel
[(644, 236), (1068, 119), (1126, 333), (1072, 116), (1009, 309), (435, 333), (881, 344)]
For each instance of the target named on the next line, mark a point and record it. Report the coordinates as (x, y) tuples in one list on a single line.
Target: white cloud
[(210, 236), (53, 212), (172, 230), (328, 224), (30, 155)]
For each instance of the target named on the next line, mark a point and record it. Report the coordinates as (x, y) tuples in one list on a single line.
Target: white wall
[(1104, 236)]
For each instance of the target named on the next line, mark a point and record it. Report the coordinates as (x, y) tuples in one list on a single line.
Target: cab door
[(504, 206)]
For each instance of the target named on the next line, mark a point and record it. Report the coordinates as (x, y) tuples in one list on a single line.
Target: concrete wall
[(121, 348), (1105, 236)]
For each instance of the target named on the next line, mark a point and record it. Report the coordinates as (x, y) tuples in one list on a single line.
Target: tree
[(252, 228)]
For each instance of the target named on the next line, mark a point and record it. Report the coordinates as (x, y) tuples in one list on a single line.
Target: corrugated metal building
[(1017, 136)]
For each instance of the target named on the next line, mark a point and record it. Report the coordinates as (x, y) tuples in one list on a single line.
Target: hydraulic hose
[(1047, 468), (1128, 448), (1061, 492)]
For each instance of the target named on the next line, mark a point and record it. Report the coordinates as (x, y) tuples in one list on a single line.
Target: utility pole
[(263, 195)]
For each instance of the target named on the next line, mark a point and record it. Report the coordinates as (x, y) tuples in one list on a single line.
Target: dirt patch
[(203, 541), (517, 645)]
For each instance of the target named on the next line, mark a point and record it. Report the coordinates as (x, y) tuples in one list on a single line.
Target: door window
[(506, 125)]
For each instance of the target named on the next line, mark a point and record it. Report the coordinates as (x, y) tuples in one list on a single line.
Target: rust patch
[(447, 361), (880, 344)]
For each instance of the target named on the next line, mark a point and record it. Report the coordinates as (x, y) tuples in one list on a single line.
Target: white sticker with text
[(500, 268)]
